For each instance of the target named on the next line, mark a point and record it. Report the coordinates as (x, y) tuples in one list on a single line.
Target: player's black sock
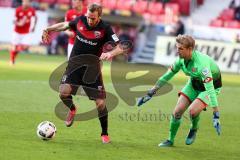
[(68, 102), (103, 118)]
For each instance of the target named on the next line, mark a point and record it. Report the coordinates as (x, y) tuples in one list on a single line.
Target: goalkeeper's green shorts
[(191, 94)]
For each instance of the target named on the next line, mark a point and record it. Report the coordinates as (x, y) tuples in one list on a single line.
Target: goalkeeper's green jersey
[(203, 71)]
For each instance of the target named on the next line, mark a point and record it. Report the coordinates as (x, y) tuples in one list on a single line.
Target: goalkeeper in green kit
[(200, 91)]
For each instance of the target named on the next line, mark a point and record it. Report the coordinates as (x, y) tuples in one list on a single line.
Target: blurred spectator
[(234, 4), (16, 3), (59, 42), (237, 13), (238, 38), (124, 35), (180, 28), (176, 29), (35, 4)]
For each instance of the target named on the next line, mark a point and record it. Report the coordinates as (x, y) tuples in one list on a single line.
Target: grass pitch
[(26, 99)]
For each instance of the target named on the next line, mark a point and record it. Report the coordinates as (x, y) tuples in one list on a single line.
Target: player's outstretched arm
[(148, 96), (160, 82), (216, 121), (58, 27)]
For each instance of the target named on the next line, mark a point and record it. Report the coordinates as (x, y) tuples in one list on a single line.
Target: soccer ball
[(46, 130)]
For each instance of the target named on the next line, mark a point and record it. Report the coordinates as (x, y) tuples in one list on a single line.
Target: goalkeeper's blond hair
[(186, 40)]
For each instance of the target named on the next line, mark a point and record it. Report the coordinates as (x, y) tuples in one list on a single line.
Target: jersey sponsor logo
[(207, 80), (86, 41), (205, 71), (97, 34), (115, 38)]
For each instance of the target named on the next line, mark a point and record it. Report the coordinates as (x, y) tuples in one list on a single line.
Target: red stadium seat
[(63, 4), (109, 4), (174, 7), (232, 24), (45, 4), (227, 14), (47, 1), (146, 16), (174, 1), (155, 8), (67, 2), (200, 2), (158, 19), (216, 23), (5, 3), (140, 6), (94, 1), (185, 7), (124, 4)]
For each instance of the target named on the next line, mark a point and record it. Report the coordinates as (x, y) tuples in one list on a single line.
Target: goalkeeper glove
[(146, 98), (216, 122)]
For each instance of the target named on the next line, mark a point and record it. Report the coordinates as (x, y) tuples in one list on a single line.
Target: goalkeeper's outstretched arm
[(160, 82)]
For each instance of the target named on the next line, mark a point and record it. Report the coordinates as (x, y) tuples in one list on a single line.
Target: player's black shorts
[(88, 76)]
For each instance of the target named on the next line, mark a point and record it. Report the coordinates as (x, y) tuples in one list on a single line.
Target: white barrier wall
[(226, 54), (7, 27), (214, 33)]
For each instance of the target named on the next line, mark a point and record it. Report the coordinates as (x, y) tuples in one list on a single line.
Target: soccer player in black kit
[(83, 69)]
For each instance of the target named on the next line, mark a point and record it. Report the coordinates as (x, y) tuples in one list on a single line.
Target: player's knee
[(177, 115), (192, 112), (100, 104), (64, 91)]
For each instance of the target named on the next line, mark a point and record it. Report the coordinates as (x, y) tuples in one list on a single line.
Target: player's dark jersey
[(90, 40)]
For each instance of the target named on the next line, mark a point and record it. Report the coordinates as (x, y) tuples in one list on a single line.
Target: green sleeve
[(169, 74), (207, 78)]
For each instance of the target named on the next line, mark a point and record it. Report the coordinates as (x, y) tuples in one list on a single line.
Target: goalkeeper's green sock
[(195, 121), (174, 125)]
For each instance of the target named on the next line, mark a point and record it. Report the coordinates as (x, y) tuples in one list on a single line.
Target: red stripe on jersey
[(208, 79), (89, 34)]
